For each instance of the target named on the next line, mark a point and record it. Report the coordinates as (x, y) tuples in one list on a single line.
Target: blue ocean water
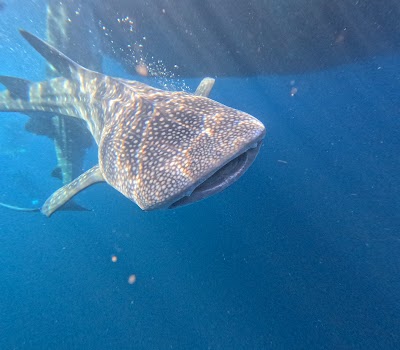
[(301, 253)]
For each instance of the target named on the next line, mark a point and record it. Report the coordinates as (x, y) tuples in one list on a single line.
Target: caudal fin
[(58, 95), (63, 64)]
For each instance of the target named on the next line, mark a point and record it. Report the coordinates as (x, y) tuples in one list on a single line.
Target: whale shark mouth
[(225, 176)]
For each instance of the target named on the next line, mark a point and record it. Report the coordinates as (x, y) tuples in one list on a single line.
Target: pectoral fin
[(65, 193), (19, 88)]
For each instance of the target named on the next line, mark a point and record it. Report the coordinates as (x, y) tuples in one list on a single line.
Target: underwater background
[(303, 252)]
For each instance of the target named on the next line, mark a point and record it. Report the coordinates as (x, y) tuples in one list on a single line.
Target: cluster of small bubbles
[(73, 13), (107, 32), (164, 78), (78, 9), (128, 21), (147, 67)]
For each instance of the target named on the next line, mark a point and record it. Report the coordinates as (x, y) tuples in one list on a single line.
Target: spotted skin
[(154, 146)]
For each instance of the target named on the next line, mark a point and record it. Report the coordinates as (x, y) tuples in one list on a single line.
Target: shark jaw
[(218, 180)]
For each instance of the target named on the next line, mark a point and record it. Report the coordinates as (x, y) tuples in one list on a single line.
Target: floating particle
[(114, 258), (142, 70), (293, 91), (341, 37), (132, 279)]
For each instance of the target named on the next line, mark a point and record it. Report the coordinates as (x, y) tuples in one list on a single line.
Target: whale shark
[(161, 149)]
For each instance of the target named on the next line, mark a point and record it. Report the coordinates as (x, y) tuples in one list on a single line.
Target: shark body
[(161, 149)]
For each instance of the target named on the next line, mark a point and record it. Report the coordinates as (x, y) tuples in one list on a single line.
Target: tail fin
[(64, 65), (58, 95)]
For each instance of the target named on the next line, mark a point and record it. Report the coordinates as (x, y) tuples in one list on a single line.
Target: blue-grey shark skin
[(159, 148)]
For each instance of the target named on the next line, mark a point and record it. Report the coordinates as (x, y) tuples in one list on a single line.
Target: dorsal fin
[(19, 88), (205, 87), (63, 64)]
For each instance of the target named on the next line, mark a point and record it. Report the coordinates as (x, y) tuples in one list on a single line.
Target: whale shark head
[(182, 148)]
